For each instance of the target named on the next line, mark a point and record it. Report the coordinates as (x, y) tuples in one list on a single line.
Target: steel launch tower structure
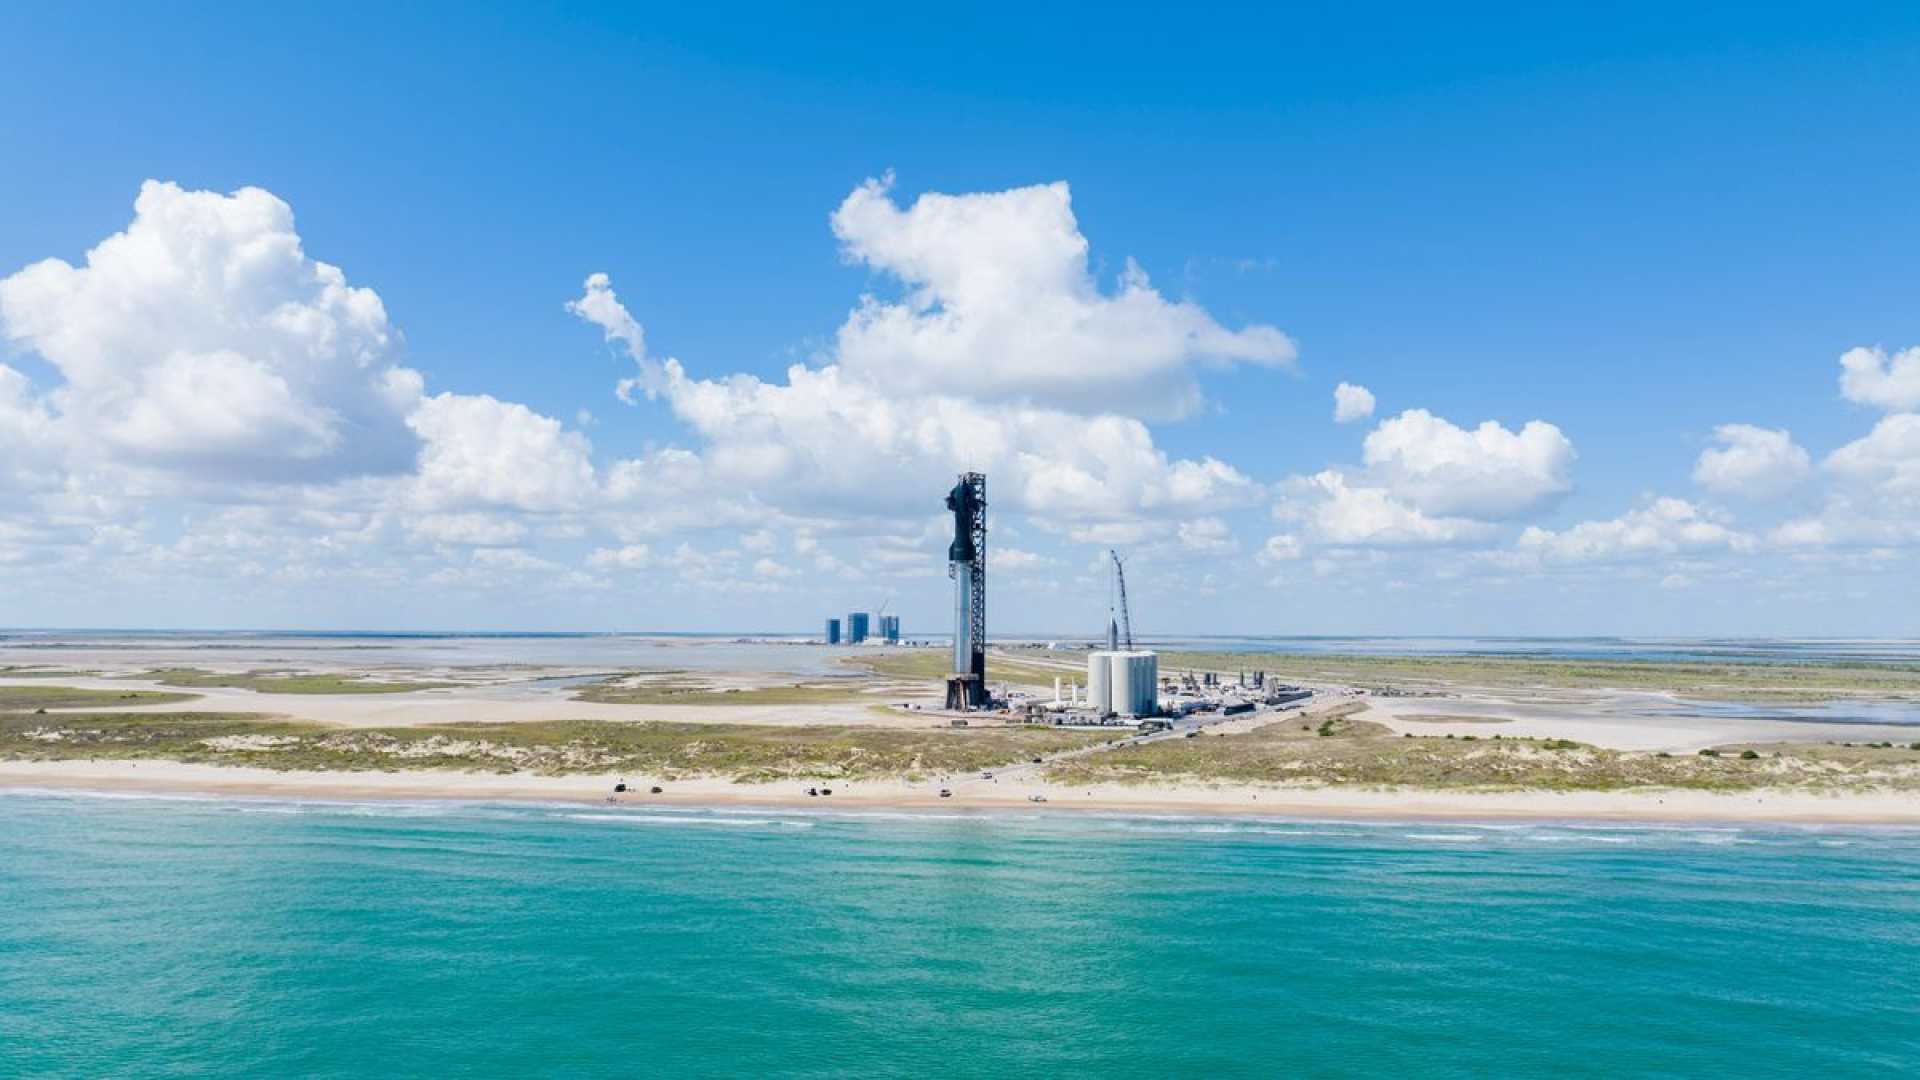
[(967, 566)]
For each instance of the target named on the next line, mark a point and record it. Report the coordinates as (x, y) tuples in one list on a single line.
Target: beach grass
[(1339, 750), (287, 682), (1332, 749), (934, 665), (1755, 681), (28, 698), (619, 690), (1344, 752), (742, 752)]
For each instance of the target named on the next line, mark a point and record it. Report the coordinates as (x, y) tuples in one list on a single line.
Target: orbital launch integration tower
[(967, 566)]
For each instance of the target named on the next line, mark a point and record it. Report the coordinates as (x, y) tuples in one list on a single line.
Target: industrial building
[(861, 626)]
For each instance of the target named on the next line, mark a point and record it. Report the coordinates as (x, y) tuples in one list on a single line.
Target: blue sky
[(1634, 228)]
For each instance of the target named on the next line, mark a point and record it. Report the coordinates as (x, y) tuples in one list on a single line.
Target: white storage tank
[(1135, 683), (1100, 682)]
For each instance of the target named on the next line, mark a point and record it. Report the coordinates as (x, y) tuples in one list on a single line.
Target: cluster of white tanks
[(1127, 683)]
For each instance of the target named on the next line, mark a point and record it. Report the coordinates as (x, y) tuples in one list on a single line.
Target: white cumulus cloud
[(1873, 498), (1872, 377), (29, 455), (1752, 462), (482, 451), (828, 438), (1351, 403), (1340, 512), (1488, 473), (1665, 527), (600, 306), (1886, 459), (1000, 305), (203, 338)]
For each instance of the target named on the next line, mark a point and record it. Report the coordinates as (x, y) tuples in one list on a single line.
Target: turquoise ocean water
[(228, 937)]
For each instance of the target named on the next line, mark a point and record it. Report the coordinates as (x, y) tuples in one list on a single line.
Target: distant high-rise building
[(856, 627), (833, 631), (890, 629)]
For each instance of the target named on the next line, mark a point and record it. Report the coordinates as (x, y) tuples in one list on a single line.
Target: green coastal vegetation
[(1337, 746), (1762, 681), (1756, 681), (35, 671), (673, 688), (743, 752), (28, 698), (936, 664), (1336, 749), (286, 682)]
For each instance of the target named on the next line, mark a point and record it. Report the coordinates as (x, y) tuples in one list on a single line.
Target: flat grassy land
[(1319, 751), (37, 672), (682, 691), (286, 682), (934, 665), (743, 752), (1741, 681), (28, 698)]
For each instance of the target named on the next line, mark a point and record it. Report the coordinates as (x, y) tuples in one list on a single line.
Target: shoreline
[(1783, 807)]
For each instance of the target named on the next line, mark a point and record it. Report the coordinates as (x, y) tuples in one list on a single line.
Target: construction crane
[(1120, 579)]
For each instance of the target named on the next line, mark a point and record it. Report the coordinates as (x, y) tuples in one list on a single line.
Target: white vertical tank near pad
[(1099, 682), (1135, 683)]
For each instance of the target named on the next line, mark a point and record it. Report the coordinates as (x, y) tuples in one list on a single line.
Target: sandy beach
[(974, 793)]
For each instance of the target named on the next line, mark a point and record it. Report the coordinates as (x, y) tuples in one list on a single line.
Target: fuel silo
[(1100, 682), (1134, 683)]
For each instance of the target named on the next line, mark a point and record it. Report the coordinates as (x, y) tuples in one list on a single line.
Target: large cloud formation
[(216, 405), (825, 438), (202, 338), (1004, 357), (202, 346), (1000, 305)]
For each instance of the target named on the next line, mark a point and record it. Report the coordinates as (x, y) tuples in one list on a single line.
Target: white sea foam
[(650, 819)]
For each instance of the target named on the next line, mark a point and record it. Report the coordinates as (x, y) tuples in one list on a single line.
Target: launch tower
[(967, 566)]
